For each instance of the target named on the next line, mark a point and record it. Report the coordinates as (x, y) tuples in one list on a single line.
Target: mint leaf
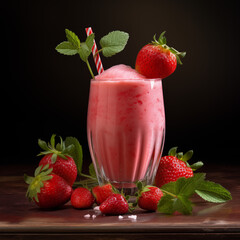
[(166, 204), (183, 205), (213, 192), (67, 48), (187, 186), (72, 38), (86, 48), (90, 41), (177, 194), (75, 152), (169, 204), (113, 43), (196, 165), (184, 186)]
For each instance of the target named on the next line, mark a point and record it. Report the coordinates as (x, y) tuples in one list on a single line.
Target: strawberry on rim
[(157, 59)]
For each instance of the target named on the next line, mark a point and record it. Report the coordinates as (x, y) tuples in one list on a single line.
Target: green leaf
[(46, 172), (66, 48), (196, 165), (177, 194), (42, 144), (166, 205), (28, 179), (187, 186), (62, 156), (54, 158), (183, 205), (188, 155), (72, 38), (45, 167), (92, 171), (86, 48), (213, 192), (44, 153), (162, 39), (84, 52), (113, 43), (169, 204), (37, 171), (75, 152), (45, 178), (139, 185), (52, 140), (172, 151), (180, 155), (68, 149), (90, 41)]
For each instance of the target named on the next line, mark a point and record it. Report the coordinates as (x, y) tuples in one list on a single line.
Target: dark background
[(43, 92)]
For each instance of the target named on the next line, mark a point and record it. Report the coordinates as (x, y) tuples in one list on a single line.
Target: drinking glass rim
[(126, 80)]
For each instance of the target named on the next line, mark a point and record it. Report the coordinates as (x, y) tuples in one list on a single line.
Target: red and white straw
[(96, 57)]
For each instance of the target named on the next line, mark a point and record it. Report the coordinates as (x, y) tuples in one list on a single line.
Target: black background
[(43, 92)]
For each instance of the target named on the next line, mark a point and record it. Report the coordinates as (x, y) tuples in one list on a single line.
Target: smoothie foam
[(126, 123)]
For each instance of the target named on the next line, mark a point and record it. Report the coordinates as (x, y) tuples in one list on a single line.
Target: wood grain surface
[(20, 219)]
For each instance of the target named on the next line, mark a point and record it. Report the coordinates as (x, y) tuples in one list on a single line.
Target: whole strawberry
[(148, 197), (114, 205), (157, 60), (174, 166), (58, 158), (101, 193), (82, 198), (47, 189)]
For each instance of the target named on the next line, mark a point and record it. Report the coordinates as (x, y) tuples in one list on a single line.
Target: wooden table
[(20, 219)]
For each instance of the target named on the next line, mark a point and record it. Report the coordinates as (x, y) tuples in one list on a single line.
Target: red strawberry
[(101, 193), (114, 205), (58, 159), (173, 167), (47, 189), (157, 60), (148, 197), (82, 198)]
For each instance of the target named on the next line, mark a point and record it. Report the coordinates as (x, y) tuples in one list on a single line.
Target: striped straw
[(96, 57)]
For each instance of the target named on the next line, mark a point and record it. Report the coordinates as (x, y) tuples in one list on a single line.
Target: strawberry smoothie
[(126, 126)]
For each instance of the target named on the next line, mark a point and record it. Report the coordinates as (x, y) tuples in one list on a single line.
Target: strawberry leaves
[(60, 150), (185, 157), (41, 175), (162, 41)]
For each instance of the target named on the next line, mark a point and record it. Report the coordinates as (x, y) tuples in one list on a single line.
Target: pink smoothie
[(126, 124)]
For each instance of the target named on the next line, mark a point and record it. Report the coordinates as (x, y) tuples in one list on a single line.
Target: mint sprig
[(111, 44), (185, 157), (73, 46), (177, 194)]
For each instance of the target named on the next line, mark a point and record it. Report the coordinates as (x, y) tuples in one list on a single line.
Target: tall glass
[(126, 130)]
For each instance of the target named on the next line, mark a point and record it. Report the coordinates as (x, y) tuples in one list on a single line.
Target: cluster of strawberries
[(52, 184)]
